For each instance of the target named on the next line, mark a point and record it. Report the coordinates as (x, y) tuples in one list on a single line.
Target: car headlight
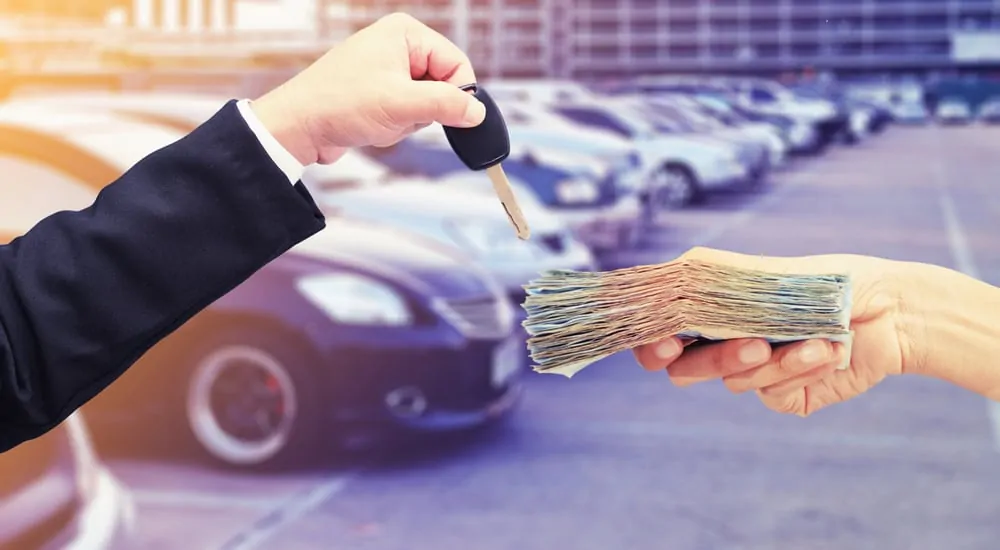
[(576, 191), (487, 239), (355, 300)]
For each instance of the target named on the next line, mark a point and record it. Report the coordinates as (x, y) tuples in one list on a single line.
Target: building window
[(683, 52)]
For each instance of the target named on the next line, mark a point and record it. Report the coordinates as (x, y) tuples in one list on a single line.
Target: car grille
[(483, 318)]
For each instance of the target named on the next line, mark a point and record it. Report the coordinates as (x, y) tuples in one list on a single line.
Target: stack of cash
[(577, 318)]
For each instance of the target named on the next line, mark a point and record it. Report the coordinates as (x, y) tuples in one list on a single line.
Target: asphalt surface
[(620, 459)]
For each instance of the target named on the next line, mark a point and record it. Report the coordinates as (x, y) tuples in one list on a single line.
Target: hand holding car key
[(484, 147)]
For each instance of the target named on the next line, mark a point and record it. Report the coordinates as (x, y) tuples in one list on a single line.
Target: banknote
[(576, 318)]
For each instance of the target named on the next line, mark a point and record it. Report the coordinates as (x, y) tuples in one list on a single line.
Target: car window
[(760, 95), (594, 119)]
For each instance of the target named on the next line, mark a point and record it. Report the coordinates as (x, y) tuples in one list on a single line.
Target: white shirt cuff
[(279, 155)]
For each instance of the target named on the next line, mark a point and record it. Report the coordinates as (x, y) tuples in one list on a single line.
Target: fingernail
[(475, 112), (667, 349), (754, 352), (813, 352)]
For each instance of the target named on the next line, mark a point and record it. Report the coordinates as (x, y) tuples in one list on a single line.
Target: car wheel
[(249, 403), (672, 187)]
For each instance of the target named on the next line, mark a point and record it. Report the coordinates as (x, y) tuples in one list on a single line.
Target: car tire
[(264, 374), (673, 186)]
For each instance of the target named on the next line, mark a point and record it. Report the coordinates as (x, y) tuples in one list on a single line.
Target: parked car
[(800, 136), (953, 110), (769, 96), (683, 167), (427, 210), (360, 331), (453, 211), (911, 112), (989, 111), (56, 493), (762, 151), (588, 201)]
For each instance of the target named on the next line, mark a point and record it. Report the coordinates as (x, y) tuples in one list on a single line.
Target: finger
[(786, 362), (433, 56), (797, 383), (718, 360), (658, 355), (426, 102), (797, 395)]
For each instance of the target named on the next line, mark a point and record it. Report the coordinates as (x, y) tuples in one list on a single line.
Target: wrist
[(287, 127), (950, 327)]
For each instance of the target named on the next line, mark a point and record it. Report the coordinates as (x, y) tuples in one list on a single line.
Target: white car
[(770, 97), (911, 112), (989, 111), (954, 111), (677, 169), (679, 107), (456, 211)]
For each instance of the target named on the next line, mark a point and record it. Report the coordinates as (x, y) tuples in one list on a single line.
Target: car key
[(484, 147)]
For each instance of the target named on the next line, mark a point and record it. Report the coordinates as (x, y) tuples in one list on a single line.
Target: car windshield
[(666, 118), (594, 117)]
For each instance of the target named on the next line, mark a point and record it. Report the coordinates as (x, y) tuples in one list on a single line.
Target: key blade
[(506, 194)]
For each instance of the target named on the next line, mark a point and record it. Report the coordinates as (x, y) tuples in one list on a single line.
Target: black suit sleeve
[(84, 294)]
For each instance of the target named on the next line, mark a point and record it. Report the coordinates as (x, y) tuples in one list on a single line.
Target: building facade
[(612, 38)]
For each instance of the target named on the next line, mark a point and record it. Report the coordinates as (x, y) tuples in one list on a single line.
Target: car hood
[(433, 203), (421, 265), (583, 142)]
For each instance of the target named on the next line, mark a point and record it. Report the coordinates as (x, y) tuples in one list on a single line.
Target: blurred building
[(608, 38)]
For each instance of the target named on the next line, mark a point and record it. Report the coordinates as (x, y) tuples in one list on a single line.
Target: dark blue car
[(360, 330)]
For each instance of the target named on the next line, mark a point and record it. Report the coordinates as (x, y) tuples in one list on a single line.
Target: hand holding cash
[(802, 332)]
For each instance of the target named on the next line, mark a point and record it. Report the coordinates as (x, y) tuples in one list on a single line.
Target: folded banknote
[(576, 318)]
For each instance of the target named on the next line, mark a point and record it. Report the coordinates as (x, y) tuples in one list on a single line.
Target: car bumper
[(603, 226), (724, 175), (407, 387)]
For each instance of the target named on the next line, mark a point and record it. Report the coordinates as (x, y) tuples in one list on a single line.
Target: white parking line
[(291, 510), (962, 256), (202, 500)]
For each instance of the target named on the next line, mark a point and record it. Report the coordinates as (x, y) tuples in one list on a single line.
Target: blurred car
[(989, 111), (682, 168), (953, 111), (586, 198), (359, 331), (766, 98), (454, 211), (677, 115), (427, 209), (724, 125), (800, 136), (56, 493), (911, 112)]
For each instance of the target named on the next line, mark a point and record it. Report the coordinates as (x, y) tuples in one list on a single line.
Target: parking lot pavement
[(617, 458)]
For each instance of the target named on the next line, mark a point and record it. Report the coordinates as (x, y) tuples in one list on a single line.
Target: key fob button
[(485, 145)]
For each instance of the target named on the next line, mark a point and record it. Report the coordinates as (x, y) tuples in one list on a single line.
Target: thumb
[(424, 102)]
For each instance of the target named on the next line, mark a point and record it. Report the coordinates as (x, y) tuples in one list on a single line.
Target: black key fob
[(485, 145)]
